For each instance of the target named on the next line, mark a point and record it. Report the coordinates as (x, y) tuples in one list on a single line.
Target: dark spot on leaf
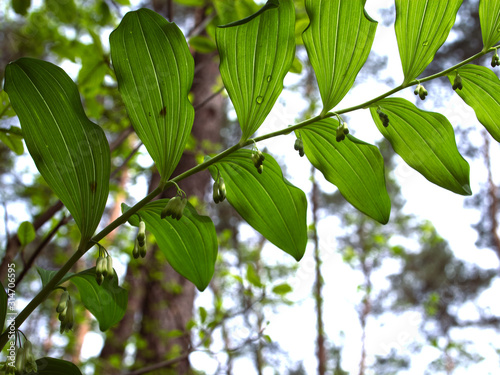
[(93, 186), (163, 111)]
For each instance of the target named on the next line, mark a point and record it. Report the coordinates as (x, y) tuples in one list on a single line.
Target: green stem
[(53, 283)]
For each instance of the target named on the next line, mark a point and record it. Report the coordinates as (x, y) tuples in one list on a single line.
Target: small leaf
[(481, 90), (203, 314), (355, 167), (254, 59), (252, 276), (189, 244), (489, 11), (3, 306), (282, 289), (53, 366), (270, 4), (421, 29), (268, 202), (155, 70), (26, 233), (70, 152), (296, 66), (6, 109), (426, 142), (12, 141), (338, 41), (47, 275), (21, 6), (107, 302), (229, 11)]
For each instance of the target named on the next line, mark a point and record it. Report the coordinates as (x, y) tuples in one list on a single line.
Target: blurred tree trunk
[(157, 294)]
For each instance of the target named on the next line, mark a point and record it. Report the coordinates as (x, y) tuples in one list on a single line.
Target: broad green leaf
[(189, 244), (267, 201), (426, 142), (489, 17), (155, 69), (338, 40), (355, 167), (107, 302), (26, 233), (53, 366), (481, 90), (70, 151), (254, 58), (422, 26), (47, 275), (3, 306)]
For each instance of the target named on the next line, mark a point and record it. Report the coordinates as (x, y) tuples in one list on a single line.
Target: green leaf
[(229, 11), (252, 276), (70, 151), (53, 366), (426, 142), (155, 69), (338, 40), (107, 302), (26, 233), (12, 141), (255, 57), (46, 275), (421, 29), (267, 201), (189, 244), (6, 109), (296, 66), (21, 6), (481, 90), (203, 314), (355, 167), (282, 289), (3, 306), (202, 44), (489, 17)]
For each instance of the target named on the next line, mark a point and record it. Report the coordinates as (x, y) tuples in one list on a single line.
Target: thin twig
[(204, 102), (159, 365)]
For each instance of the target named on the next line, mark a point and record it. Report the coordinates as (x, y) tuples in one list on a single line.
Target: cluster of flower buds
[(174, 208), (299, 146), (258, 158), (495, 60), (66, 313), (140, 242), (219, 191), (457, 83), (421, 91), (383, 117), (342, 131), (25, 360), (104, 268)]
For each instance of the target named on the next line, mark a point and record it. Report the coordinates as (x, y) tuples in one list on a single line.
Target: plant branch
[(40, 297)]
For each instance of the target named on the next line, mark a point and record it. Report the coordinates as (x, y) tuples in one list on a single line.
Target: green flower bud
[(215, 193), (142, 251), (63, 302), (495, 60), (99, 278), (20, 360), (62, 314), (180, 209), (299, 146), (457, 83), (109, 267), (100, 268), (135, 252), (383, 117), (141, 236), (260, 169), (10, 370), (31, 365), (222, 189), (171, 208)]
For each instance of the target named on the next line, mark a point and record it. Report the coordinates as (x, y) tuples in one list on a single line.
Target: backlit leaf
[(155, 69), (255, 57), (422, 26), (489, 17), (481, 90), (26, 233), (338, 41), (189, 244), (355, 167), (54, 366), (268, 202), (426, 142), (70, 152)]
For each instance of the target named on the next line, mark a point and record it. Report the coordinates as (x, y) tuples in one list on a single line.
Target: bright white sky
[(294, 327)]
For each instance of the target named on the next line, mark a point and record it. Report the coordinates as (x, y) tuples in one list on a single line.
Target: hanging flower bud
[(260, 169), (68, 320), (180, 209), (215, 193), (495, 60), (141, 236), (10, 370), (171, 208), (100, 268), (258, 158), (421, 91), (299, 146), (457, 83), (383, 117), (341, 132), (63, 302), (109, 267), (135, 251), (222, 189), (31, 365), (142, 251), (20, 360)]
